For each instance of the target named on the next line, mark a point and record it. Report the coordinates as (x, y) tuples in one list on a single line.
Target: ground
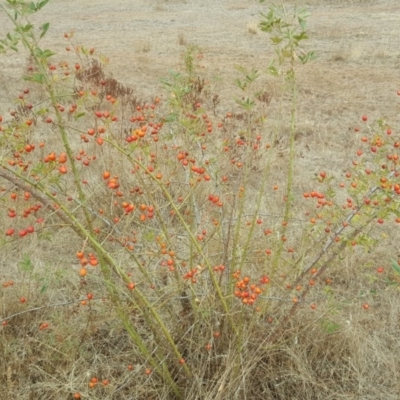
[(355, 73)]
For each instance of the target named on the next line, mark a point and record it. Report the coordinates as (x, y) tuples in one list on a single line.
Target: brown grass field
[(339, 351)]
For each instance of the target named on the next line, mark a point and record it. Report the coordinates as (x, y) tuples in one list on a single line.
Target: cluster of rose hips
[(321, 200), (247, 292), (191, 275), (91, 259), (215, 200), (32, 209)]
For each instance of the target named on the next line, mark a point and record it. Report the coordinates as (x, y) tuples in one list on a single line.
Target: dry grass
[(182, 40), (346, 354), (252, 28), (142, 46), (159, 7)]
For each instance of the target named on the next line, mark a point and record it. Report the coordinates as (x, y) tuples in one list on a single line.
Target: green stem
[(290, 174), (186, 227), (104, 257)]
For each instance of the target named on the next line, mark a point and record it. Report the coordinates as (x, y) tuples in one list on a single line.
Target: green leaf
[(395, 212), (45, 285), (38, 78), (45, 235), (40, 5), (48, 53), (26, 264), (45, 27), (241, 69), (395, 266), (303, 24), (310, 56), (252, 76), (303, 14), (32, 7), (44, 53), (276, 40), (171, 117), (149, 236), (240, 84), (80, 115), (272, 71), (39, 168), (330, 326), (24, 28), (301, 36), (42, 111), (246, 104)]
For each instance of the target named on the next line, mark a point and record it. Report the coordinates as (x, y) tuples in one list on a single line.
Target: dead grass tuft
[(142, 46), (182, 40), (252, 28)]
